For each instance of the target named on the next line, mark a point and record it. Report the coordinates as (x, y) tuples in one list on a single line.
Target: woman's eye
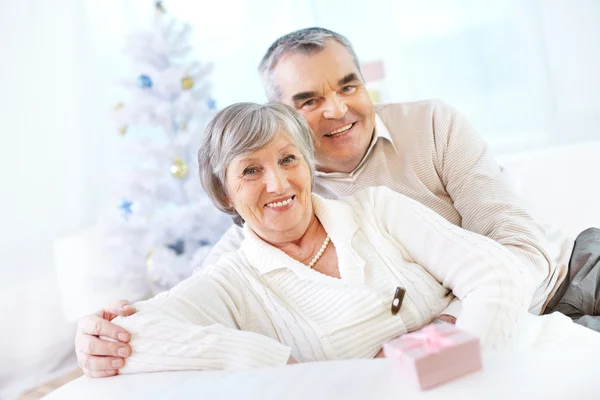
[(250, 171), (288, 159)]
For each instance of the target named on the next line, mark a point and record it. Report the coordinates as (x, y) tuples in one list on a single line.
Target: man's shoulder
[(417, 122), (406, 108), (412, 111), (409, 124)]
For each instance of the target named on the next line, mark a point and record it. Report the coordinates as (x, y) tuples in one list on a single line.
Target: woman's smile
[(280, 205)]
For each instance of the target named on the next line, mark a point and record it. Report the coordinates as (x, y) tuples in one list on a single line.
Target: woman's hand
[(97, 357)]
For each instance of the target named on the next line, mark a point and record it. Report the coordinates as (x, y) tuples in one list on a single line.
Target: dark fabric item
[(579, 295)]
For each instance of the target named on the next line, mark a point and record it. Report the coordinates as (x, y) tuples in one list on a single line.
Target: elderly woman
[(315, 279)]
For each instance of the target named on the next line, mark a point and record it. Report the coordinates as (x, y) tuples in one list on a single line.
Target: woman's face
[(271, 188)]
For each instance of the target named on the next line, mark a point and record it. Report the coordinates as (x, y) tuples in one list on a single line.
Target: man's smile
[(340, 131)]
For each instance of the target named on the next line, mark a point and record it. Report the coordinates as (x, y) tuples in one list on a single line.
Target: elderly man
[(424, 150)]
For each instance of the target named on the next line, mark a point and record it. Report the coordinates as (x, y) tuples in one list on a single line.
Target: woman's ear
[(227, 199), (224, 192)]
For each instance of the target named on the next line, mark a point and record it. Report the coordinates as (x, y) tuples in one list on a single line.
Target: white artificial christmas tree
[(162, 224)]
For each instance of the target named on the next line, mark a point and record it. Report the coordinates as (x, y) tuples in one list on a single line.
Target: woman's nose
[(277, 181), (335, 108)]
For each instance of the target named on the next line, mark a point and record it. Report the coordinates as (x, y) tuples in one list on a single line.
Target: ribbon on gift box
[(430, 338)]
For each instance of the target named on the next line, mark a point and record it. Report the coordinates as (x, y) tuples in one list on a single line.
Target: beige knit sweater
[(256, 306)]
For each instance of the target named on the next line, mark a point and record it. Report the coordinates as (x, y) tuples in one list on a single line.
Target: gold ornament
[(119, 106), (187, 83), (123, 130), (179, 169)]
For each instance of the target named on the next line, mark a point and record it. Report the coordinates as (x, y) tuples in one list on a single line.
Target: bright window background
[(524, 72)]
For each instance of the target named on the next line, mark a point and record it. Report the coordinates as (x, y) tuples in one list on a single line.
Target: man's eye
[(348, 89), (309, 103)]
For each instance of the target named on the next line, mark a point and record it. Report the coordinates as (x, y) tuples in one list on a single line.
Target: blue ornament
[(144, 82), (125, 207), (212, 104), (178, 247), (159, 7)]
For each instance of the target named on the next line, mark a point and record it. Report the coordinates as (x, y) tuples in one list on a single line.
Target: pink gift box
[(434, 354)]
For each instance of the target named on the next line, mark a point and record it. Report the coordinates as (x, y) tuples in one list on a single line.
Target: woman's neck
[(305, 247)]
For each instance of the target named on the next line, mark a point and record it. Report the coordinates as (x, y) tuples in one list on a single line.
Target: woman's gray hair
[(243, 128), (306, 41)]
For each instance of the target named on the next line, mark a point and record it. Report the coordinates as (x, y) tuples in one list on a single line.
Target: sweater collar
[(339, 222)]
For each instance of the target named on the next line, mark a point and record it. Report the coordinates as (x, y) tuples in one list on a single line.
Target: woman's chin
[(281, 226)]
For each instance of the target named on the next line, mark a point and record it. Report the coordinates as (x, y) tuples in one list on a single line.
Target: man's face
[(327, 89)]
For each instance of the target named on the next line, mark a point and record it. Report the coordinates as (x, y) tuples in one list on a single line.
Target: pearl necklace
[(319, 253)]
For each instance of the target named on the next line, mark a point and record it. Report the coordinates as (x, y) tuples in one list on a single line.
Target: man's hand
[(380, 354), (446, 318), (100, 358)]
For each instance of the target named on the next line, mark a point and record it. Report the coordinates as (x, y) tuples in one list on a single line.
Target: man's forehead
[(297, 73)]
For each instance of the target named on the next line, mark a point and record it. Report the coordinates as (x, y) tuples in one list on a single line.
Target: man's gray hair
[(306, 41), (243, 128)]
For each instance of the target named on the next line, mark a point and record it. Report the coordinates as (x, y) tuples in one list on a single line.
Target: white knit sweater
[(428, 151), (257, 306)]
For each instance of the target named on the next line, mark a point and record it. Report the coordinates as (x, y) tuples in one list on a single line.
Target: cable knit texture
[(256, 306), (429, 152)]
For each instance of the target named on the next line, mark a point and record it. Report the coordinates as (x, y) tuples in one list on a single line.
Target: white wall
[(47, 138), (572, 39)]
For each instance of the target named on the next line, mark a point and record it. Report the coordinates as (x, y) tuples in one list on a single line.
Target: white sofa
[(560, 185)]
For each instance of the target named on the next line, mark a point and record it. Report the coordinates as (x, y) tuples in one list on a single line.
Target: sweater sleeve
[(484, 200), (197, 326), (453, 308), (490, 281)]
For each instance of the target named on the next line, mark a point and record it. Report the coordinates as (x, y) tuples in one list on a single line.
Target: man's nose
[(335, 108), (277, 181)]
